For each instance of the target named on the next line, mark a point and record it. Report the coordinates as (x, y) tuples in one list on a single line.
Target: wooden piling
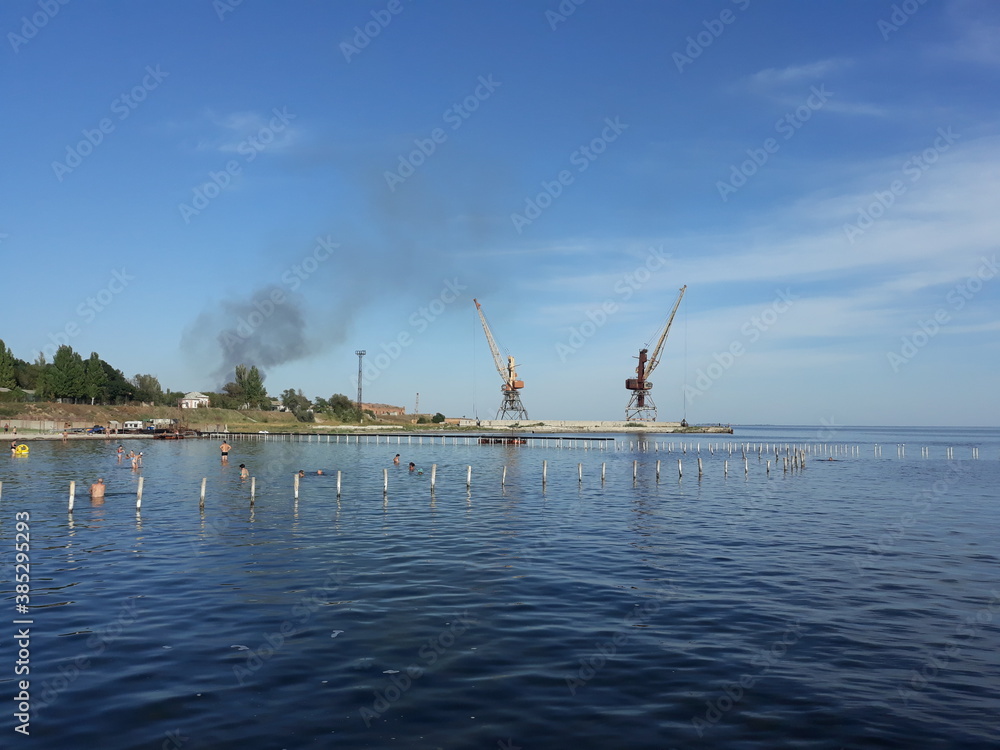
[(201, 501), (680, 470), (385, 481), (699, 468), (635, 469), (725, 468), (579, 473), (503, 477), (545, 472), (604, 466), (72, 493), (657, 471), (138, 494), (468, 477), (338, 483), (295, 485), (434, 471), (253, 489)]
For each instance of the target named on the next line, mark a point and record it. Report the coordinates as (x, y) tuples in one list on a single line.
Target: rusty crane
[(640, 406), (511, 408)]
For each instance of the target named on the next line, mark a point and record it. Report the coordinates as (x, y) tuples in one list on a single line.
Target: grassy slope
[(191, 419)]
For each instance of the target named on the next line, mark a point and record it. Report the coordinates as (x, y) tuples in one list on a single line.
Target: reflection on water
[(828, 607)]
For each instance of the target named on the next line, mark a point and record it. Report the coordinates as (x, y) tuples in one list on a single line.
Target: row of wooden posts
[(796, 461), (831, 449)]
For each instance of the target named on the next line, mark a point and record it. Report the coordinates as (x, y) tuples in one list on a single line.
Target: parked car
[(96, 430)]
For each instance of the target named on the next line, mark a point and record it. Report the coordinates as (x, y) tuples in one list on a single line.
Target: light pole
[(361, 354)]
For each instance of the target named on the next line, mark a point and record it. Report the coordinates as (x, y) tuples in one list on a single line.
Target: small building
[(384, 410), (194, 400)]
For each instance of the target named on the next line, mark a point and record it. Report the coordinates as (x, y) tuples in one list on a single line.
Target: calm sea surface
[(852, 604)]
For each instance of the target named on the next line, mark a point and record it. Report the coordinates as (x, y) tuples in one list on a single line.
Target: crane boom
[(653, 361), (511, 406), (497, 359)]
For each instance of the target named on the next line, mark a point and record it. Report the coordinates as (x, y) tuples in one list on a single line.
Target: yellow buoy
[(21, 450)]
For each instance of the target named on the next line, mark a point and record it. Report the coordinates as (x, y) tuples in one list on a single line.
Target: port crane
[(640, 406), (511, 408)]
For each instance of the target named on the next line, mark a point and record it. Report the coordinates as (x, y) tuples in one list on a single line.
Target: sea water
[(853, 603)]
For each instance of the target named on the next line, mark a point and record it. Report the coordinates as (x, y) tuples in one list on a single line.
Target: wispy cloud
[(772, 79), (785, 85), (229, 132)]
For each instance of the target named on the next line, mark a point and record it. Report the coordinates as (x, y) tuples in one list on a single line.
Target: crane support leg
[(640, 407), (512, 408)]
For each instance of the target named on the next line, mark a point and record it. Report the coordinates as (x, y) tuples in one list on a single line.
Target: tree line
[(70, 377)]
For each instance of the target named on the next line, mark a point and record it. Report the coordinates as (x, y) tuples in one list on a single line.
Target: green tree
[(173, 398), (225, 401), (251, 384), (147, 388), (94, 379), (37, 376), (66, 376), (117, 388), (295, 401), (341, 407), (7, 376), (438, 418)]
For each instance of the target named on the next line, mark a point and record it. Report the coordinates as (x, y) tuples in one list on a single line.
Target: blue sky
[(194, 183)]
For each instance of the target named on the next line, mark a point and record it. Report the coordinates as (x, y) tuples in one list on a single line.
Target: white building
[(194, 400)]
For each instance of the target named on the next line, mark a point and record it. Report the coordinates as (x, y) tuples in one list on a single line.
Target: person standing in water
[(225, 448), (97, 491)]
